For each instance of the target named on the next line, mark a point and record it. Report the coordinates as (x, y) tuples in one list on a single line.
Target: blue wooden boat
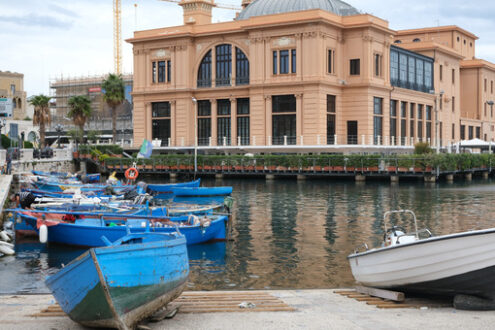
[(119, 285), (91, 178), (95, 193), (165, 190), (201, 191), (87, 228)]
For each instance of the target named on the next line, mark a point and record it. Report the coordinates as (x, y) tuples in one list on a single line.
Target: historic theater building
[(307, 73)]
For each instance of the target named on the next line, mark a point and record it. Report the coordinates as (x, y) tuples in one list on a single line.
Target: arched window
[(417, 40), (204, 72), (223, 65), (397, 42), (241, 68)]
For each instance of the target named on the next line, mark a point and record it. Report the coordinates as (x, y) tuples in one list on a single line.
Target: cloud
[(62, 10), (35, 20)]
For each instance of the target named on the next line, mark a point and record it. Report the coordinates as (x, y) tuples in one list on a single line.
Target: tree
[(41, 115), (114, 96), (80, 111)]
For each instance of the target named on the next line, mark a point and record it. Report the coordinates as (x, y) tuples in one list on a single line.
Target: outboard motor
[(142, 187)]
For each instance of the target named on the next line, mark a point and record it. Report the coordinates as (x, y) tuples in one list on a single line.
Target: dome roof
[(270, 7)]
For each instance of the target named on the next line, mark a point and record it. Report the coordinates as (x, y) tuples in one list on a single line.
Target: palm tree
[(41, 115), (80, 111), (114, 96)]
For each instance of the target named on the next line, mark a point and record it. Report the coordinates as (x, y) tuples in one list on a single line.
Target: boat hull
[(201, 191), (446, 265), (118, 286), (90, 236)]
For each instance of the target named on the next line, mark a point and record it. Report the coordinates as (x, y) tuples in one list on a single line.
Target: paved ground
[(316, 309)]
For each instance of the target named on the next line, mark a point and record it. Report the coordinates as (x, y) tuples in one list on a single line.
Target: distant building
[(307, 73), (12, 95), (62, 89)]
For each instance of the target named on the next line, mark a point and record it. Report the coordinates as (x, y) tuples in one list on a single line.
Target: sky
[(46, 39)]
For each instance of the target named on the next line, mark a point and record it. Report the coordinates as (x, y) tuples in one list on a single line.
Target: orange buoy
[(131, 174)]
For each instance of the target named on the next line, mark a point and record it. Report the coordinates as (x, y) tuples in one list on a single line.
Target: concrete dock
[(314, 309)]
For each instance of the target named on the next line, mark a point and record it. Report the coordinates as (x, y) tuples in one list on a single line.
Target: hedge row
[(444, 162), (110, 149)]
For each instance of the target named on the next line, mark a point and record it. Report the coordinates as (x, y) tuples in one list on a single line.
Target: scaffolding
[(62, 88)]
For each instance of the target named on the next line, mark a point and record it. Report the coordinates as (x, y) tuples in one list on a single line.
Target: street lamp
[(437, 132), (195, 137), (490, 103), (59, 128)]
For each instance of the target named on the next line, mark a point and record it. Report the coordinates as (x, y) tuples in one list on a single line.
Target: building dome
[(270, 7)]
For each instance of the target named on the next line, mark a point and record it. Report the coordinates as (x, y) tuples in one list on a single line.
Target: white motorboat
[(456, 264)]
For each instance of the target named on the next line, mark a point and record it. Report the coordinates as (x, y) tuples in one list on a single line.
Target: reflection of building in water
[(12, 95), (63, 88)]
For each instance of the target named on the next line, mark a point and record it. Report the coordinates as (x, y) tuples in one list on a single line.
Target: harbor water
[(289, 234)]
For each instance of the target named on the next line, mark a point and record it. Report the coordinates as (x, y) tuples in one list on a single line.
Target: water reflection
[(289, 234)]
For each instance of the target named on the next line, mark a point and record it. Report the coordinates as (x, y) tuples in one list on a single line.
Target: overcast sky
[(45, 39)]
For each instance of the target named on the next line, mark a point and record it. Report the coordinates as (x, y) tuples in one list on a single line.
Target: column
[(214, 112), (299, 118), (233, 121), (213, 66)]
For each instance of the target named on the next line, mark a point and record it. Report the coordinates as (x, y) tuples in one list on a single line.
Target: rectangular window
[(223, 107), (441, 73), (355, 69), (223, 65), (331, 103), (412, 110), (283, 103), (394, 67), (412, 72), (420, 74), (284, 129), (428, 112), (485, 84), (378, 120), (160, 109), (463, 132), (243, 123), (330, 61), (453, 103), (378, 65), (161, 71), (204, 122), (153, 72), (284, 61), (160, 130), (275, 62), (242, 68), (243, 130), (330, 128), (12, 89), (204, 131), (223, 131), (377, 106), (293, 60), (402, 70), (428, 121), (204, 108), (453, 131), (169, 71), (243, 106), (393, 119), (478, 132), (453, 76), (223, 122), (420, 121), (470, 132)]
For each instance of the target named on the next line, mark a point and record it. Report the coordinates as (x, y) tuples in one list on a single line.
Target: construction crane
[(218, 5), (117, 37)]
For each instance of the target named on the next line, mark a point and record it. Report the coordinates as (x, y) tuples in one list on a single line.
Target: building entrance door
[(352, 132)]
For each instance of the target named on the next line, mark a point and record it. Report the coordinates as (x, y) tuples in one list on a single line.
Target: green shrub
[(28, 145), (422, 148)]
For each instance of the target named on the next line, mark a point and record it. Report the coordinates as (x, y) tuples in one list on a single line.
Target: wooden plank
[(346, 292), (354, 296), (383, 302), (385, 294), (369, 299), (236, 310), (223, 293), (393, 306)]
